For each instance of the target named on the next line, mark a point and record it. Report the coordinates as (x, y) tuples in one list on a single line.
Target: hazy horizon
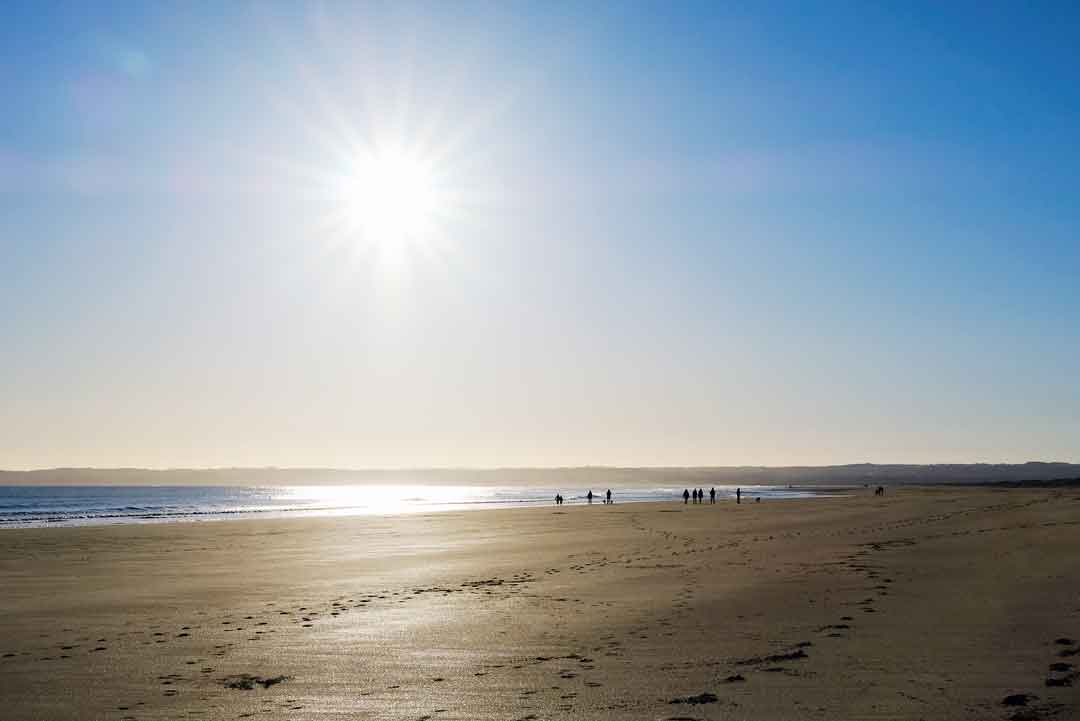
[(397, 469), (537, 235), (582, 476)]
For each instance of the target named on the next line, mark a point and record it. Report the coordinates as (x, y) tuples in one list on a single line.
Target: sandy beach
[(925, 604)]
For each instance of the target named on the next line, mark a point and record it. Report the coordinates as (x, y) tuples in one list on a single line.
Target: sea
[(49, 506)]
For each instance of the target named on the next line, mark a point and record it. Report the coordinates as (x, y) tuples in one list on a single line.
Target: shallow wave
[(22, 517)]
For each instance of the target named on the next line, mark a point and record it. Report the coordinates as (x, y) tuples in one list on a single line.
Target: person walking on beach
[(738, 495), (712, 496), (608, 499), (589, 495), (685, 496)]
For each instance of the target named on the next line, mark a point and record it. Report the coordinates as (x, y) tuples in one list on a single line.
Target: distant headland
[(1033, 472)]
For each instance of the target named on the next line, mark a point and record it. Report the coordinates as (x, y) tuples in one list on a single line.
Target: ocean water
[(46, 506)]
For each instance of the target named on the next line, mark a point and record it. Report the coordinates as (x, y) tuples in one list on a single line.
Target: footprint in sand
[(701, 698), (1061, 674)]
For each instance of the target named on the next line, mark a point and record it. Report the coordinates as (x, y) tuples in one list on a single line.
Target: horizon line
[(399, 469)]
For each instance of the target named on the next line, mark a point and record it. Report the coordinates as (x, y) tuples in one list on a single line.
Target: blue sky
[(701, 234)]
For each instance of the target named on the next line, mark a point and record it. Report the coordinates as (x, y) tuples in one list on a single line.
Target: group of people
[(559, 500), (698, 495), (589, 496)]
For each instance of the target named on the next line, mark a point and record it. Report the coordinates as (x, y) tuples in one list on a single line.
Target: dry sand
[(927, 604)]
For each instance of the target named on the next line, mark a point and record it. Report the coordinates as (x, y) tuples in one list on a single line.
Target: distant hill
[(858, 473)]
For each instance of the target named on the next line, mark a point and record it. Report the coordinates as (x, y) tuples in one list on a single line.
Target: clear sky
[(467, 234)]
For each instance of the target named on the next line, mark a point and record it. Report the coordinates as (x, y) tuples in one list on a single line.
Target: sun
[(390, 196)]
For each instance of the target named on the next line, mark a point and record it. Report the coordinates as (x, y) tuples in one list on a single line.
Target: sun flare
[(391, 196)]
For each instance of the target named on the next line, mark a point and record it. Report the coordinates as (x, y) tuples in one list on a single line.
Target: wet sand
[(928, 603)]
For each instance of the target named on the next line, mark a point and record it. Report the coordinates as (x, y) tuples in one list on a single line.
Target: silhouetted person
[(700, 495), (712, 495), (608, 496), (738, 495), (685, 496), (589, 495)]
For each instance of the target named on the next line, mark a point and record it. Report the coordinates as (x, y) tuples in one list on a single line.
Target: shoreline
[(134, 510)]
